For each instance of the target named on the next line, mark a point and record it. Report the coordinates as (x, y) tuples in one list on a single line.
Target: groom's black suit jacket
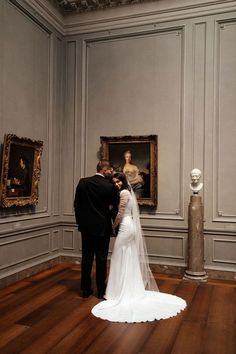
[(93, 201)]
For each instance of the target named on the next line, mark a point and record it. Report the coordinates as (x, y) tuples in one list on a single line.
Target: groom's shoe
[(101, 291), (87, 293)]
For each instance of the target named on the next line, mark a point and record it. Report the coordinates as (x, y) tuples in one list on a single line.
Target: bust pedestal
[(195, 269)]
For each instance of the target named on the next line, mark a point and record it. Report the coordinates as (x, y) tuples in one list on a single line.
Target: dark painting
[(20, 171)]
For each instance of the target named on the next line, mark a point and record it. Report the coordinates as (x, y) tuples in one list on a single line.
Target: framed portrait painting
[(20, 171), (136, 157)]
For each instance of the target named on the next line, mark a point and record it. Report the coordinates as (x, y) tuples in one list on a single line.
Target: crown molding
[(144, 13), (45, 10)]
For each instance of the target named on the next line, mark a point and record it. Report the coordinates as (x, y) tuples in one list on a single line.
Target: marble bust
[(195, 186)]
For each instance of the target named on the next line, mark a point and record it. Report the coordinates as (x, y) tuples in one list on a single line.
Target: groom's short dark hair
[(103, 164)]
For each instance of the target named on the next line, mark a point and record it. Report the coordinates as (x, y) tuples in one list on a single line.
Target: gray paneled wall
[(31, 105), (172, 78), (176, 80)]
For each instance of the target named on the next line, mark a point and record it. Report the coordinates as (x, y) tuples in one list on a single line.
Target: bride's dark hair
[(121, 177)]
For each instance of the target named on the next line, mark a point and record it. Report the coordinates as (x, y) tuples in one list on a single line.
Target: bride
[(132, 294)]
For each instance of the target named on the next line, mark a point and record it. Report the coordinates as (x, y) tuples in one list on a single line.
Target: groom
[(95, 201)]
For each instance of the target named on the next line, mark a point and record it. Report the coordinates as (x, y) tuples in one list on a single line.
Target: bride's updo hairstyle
[(121, 177)]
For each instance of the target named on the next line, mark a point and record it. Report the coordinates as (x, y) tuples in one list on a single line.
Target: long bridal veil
[(147, 276)]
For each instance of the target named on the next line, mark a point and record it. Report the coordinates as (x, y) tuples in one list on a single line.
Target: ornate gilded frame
[(21, 157), (144, 150)]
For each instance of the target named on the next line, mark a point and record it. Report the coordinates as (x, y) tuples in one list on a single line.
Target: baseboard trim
[(27, 272), (159, 268)]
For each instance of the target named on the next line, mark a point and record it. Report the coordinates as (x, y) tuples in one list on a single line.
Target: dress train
[(126, 297)]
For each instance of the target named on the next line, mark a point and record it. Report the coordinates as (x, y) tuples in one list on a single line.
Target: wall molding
[(156, 12), (19, 8), (72, 232), (42, 253), (55, 241), (75, 26), (218, 214), (218, 260), (164, 237), (71, 113), (22, 274), (44, 9), (145, 227), (30, 229), (178, 212)]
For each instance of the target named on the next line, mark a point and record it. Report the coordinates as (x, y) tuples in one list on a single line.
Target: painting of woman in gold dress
[(136, 157)]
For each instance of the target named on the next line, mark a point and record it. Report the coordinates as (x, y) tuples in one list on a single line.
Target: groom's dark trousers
[(98, 247), (93, 200)]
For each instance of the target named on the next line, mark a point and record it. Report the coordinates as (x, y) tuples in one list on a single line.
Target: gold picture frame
[(21, 171), (136, 156)]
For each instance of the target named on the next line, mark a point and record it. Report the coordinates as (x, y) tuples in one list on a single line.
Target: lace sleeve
[(124, 198)]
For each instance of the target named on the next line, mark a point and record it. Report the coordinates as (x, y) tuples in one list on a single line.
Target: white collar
[(99, 174)]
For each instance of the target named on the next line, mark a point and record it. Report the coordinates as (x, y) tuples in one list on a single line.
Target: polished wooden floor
[(45, 314)]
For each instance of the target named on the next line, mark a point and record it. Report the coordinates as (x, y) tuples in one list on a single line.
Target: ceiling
[(72, 6)]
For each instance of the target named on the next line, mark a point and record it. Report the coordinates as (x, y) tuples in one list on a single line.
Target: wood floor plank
[(63, 327), (132, 339), (167, 286), (11, 333), (191, 332), (223, 304), (189, 338), (31, 291), (220, 332), (20, 285), (46, 315), (34, 303), (46, 310), (220, 338), (108, 338), (85, 339), (49, 272), (199, 306), (75, 341), (6, 297), (230, 283), (58, 312), (165, 332)]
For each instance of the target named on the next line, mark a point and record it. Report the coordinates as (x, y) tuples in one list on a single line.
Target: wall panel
[(55, 244), (166, 246), (225, 122), (68, 135), (58, 104), (14, 252), (25, 85), (68, 239), (198, 95), (138, 91), (224, 250)]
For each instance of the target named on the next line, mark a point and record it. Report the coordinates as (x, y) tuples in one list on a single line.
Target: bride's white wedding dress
[(127, 300)]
